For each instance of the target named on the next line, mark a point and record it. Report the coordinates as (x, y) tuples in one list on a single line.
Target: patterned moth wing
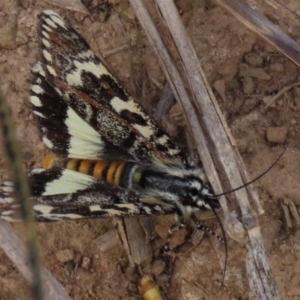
[(62, 194), (88, 117), (87, 89)]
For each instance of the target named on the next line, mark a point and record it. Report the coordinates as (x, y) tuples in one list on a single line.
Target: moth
[(111, 158)]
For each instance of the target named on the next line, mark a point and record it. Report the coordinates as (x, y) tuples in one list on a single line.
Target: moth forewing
[(113, 158)]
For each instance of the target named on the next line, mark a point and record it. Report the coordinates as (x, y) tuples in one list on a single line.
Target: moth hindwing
[(114, 160)]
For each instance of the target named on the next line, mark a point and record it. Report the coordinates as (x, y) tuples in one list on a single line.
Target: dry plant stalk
[(219, 136), (179, 91)]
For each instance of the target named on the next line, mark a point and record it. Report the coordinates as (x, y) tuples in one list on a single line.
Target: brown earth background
[(228, 52)]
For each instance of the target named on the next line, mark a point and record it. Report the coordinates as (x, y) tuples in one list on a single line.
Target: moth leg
[(204, 228), (171, 231)]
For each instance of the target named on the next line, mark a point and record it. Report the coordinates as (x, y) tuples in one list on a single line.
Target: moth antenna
[(256, 178)]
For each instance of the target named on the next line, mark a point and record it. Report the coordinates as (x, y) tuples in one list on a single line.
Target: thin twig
[(21, 194), (281, 92), (116, 50), (165, 103)]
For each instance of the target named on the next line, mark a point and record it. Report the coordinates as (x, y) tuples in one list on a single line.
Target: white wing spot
[(47, 28), (46, 212), (85, 141), (163, 139), (39, 114), (9, 199), (47, 142), (50, 12), (50, 23), (59, 21), (47, 55), (46, 43), (37, 89), (58, 91), (45, 34), (37, 68), (51, 71), (119, 105), (36, 101), (74, 78), (87, 54), (7, 189), (68, 182), (146, 131)]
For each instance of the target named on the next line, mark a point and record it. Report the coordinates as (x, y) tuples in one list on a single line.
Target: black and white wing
[(62, 194), (82, 109)]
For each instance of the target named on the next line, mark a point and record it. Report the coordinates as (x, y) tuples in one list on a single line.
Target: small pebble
[(65, 255), (158, 267), (248, 85), (68, 288), (277, 134), (86, 262), (277, 67)]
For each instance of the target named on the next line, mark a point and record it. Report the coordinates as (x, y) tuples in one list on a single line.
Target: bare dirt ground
[(244, 71)]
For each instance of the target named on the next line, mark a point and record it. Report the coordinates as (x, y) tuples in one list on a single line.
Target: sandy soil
[(228, 53)]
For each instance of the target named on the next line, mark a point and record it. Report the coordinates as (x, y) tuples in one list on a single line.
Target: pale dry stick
[(122, 232), (165, 103), (15, 249), (264, 28), (179, 91), (203, 94), (282, 92), (255, 286), (139, 248), (205, 109), (21, 194), (116, 50)]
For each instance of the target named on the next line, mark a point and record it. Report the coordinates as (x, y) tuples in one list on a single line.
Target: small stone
[(259, 73), (107, 241), (277, 134), (65, 255), (3, 270), (267, 99), (131, 273), (296, 91), (296, 247), (219, 86), (158, 267), (3, 59), (277, 67), (254, 59), (86, 262), (68, 288), (248, 85)]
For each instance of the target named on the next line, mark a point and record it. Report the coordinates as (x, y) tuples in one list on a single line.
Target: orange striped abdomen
[(118, 173)]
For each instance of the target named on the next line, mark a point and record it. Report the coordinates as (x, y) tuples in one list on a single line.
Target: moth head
[(201, 195)]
